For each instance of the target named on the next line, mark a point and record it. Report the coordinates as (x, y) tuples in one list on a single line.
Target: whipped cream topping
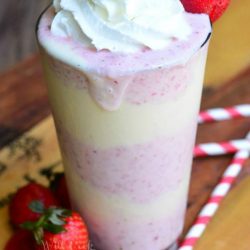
[(121, 25)]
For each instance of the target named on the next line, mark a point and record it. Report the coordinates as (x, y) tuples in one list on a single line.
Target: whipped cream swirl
[(121, 25)]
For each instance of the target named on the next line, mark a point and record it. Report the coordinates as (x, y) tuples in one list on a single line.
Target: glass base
[(174, 246)]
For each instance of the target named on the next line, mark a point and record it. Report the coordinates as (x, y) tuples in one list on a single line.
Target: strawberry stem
[(51, 219), (36, 206)]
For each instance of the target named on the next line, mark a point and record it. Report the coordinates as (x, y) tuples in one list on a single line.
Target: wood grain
[(229, 230), (18, 165), (17, 29), (23, 99)]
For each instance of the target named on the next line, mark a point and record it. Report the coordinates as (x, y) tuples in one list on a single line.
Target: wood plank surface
[(229, 230), (22, 107), (17, 29), (23, 99), (23, 160)]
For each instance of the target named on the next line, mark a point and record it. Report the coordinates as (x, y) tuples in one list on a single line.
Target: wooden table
[(24, 103)]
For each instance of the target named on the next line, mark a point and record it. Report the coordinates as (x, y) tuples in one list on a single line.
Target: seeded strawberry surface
[(75, 236), (214, 8)]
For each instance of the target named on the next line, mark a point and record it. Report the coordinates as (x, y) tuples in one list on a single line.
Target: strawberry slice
[(214, 8)]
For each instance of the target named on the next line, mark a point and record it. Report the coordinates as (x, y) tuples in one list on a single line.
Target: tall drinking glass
[(126, 126)]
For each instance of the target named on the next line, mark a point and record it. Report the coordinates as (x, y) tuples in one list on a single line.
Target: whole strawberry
[(58, 229), (21, 240), (19, 206), (214, 8)]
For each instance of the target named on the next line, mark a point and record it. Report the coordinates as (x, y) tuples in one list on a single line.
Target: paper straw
[(221, 114), (215, 199), (221, 148)]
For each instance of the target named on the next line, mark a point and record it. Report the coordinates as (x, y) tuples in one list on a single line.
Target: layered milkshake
[(125, 80)]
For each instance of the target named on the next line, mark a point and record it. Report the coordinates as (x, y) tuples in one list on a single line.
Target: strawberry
[(21, 240), (58, 229), (19, 206), (214, 8), (59, 187)]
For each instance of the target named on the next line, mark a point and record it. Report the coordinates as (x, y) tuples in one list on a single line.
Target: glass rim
[(50, 5), (39, 18)]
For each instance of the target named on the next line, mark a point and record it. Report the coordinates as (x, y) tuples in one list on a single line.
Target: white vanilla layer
[(130, 124), (102, 203)]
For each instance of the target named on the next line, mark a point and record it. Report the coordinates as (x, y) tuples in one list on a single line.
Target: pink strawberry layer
[(138, 172), (155, 234), (167, 83), (113, 64), (128, 77)]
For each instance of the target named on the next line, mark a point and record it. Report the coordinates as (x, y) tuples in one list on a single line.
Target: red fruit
[(21, 240), (19, 205), (214, 8), (75, 236), (61, 192)]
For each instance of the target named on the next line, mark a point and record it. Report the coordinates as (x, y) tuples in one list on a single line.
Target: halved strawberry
[(214, 8)]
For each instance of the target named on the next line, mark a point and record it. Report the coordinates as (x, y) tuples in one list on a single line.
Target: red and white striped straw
[(221, 148), (221, 114), (215, 199)]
